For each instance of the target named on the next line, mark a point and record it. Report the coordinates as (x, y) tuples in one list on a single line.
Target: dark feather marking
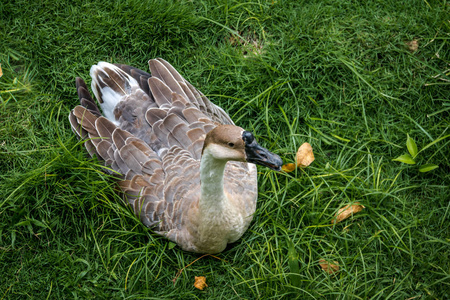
[(82, 89), (99, 93), (126, 68), (90, 106), (83, 93), (140, 72), (136, 75), (143, 83), (117, 80)]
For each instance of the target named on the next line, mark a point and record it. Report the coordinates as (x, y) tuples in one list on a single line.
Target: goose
[(187, 171)]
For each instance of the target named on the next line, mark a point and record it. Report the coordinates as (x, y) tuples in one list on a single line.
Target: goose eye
[(231, 144)]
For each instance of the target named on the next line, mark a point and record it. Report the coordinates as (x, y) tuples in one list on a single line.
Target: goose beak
[(260, 155)]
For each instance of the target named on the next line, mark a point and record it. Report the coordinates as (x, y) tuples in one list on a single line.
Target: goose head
[(229, 142)]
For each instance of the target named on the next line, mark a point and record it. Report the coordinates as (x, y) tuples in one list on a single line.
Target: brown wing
[(153, 185), (156, 147)]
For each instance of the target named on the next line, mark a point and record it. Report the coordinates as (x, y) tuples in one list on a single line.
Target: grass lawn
[(352, 78)]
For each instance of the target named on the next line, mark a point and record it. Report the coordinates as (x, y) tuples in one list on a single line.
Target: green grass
[(336, 74)]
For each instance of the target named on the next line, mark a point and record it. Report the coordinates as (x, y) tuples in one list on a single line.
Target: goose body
[(187, 171)]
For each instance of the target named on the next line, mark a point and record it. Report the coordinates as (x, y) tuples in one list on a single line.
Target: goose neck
[(211, 177)]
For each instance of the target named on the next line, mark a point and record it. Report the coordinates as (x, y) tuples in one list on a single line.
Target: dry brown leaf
[(305, 155), (288, 167), (347, 211), (412, 45), (200, 282), (1, 72), (328, 267)]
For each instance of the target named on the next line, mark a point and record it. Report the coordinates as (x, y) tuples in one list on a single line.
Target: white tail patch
[(111, 92)]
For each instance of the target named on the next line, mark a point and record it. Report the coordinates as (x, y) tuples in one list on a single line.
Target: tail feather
[(111, 85), (86, 98), (140, 76)]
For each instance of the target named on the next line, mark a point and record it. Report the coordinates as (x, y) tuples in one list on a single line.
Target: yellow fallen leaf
[(200, 282), (1, 72), (328, 267), (347, 211), (288, 167), (305, 155), (412, 45)]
